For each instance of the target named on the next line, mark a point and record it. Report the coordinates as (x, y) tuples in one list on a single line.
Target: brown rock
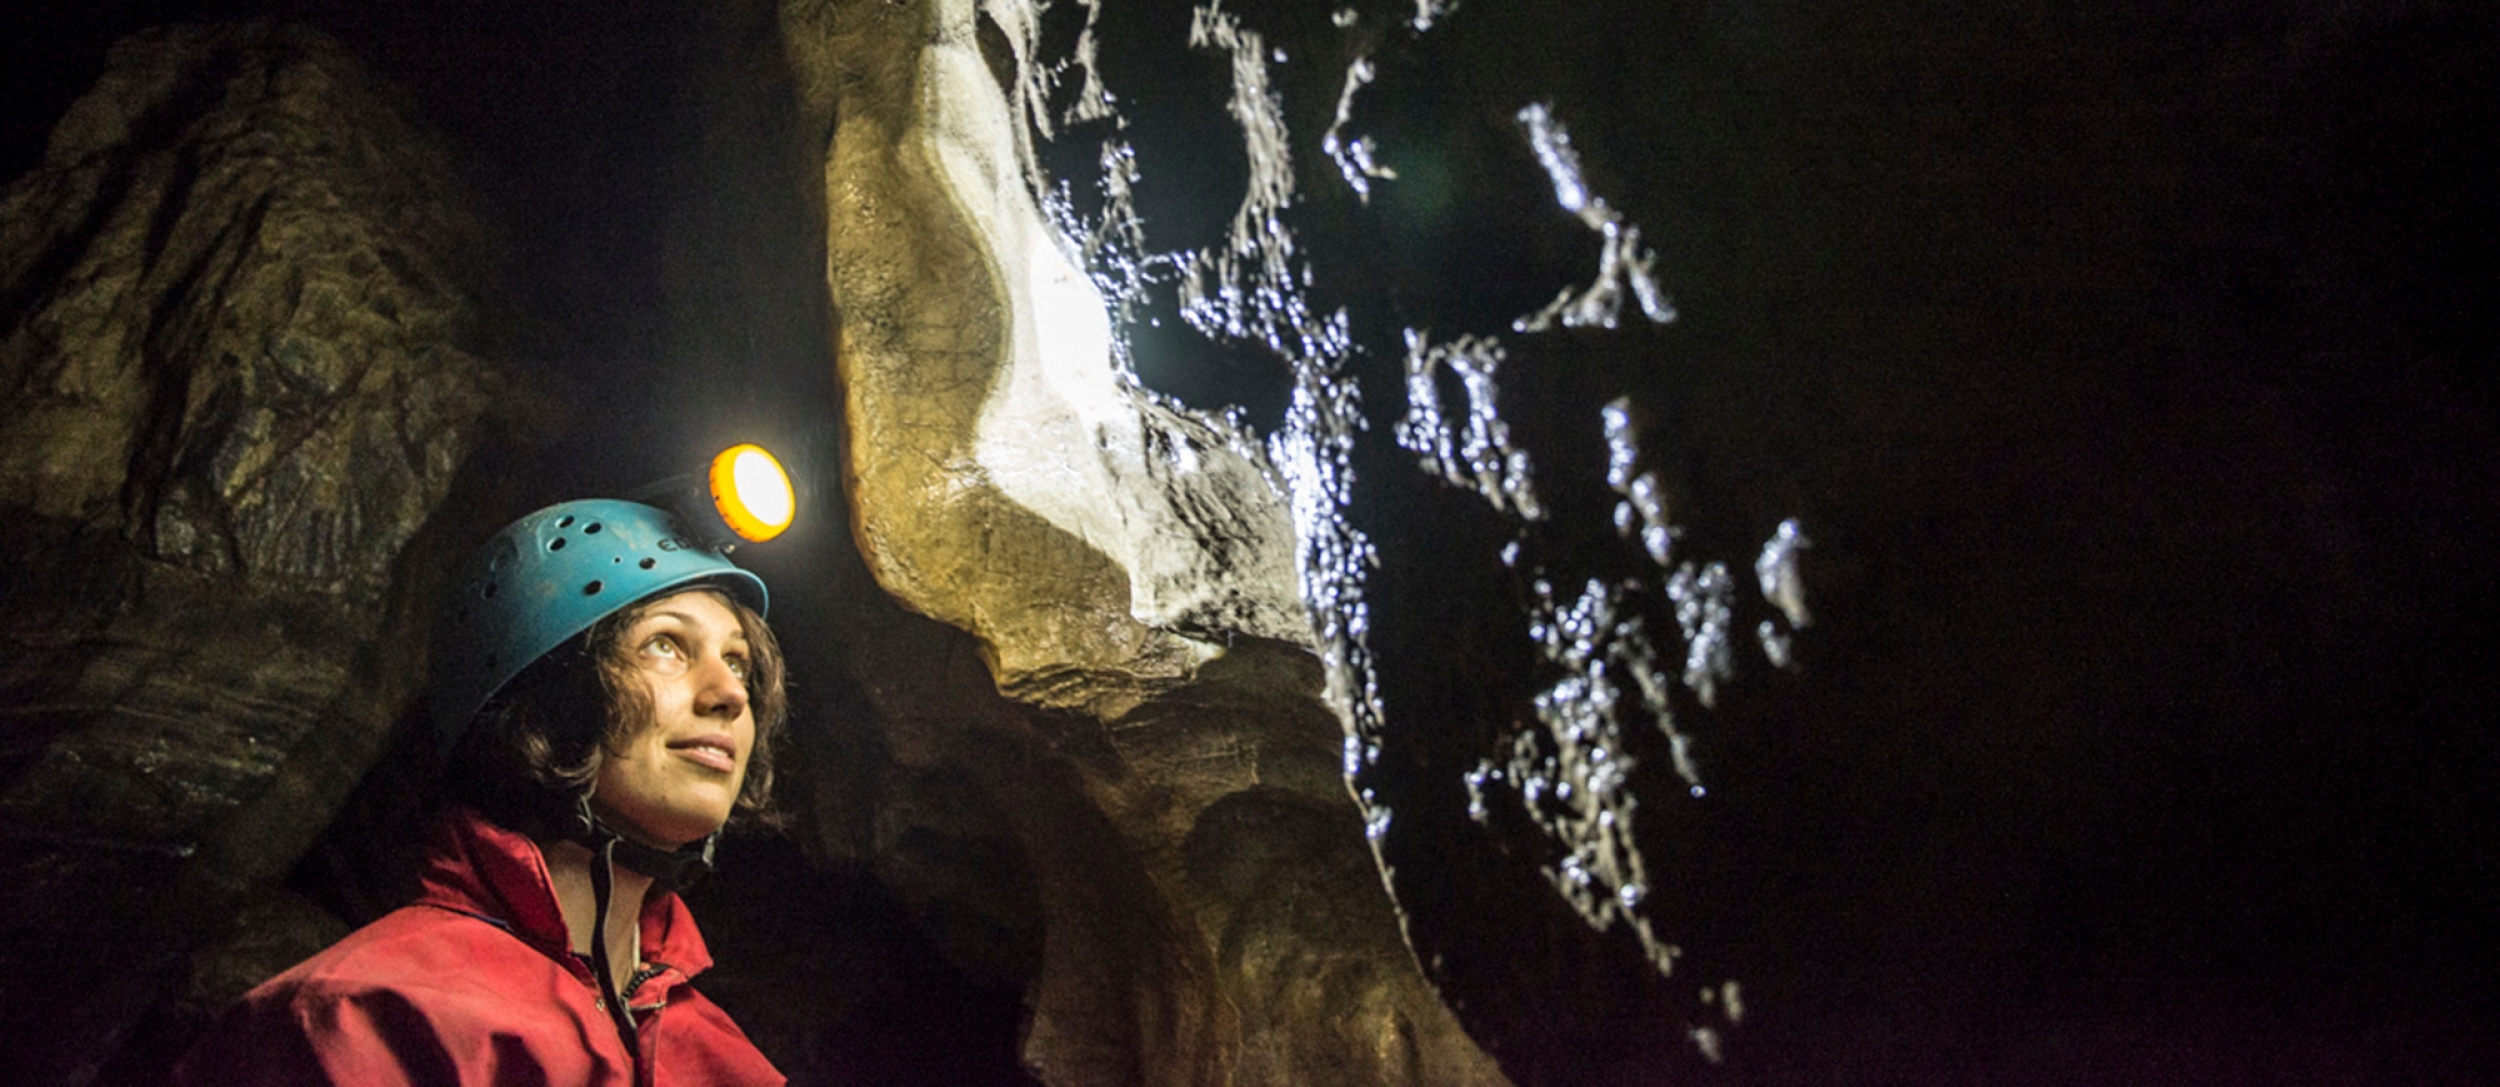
[(233, 328), (234, 300), (1004, 478), (1207, 910)]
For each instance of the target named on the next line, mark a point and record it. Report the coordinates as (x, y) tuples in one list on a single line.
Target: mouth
[(716, 751)]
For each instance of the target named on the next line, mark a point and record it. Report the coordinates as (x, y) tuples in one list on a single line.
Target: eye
[(739, 667), (662, 651)]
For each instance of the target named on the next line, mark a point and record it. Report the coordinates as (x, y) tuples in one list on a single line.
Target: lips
[(716, 751)]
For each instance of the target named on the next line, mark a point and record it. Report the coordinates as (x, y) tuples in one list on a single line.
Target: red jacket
[(476, 984)]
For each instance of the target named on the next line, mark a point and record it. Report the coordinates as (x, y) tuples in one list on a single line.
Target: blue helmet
[(548, 577)]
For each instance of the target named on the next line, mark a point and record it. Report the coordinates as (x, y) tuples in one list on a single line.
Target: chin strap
[(602, 884), (670, 870)]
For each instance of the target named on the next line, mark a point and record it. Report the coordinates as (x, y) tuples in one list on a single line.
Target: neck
[(568, 863)]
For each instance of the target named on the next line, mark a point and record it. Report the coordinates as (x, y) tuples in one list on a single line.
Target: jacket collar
[(479, 868)]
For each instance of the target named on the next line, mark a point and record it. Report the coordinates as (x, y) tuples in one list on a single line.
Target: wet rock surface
[(1005, 477), (1142, 868), (2116, 368), (1166, 779), (237, 312), (2122, 365)]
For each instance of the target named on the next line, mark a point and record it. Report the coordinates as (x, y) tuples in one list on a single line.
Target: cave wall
[(2123, 365), (242, 365), (1166, 772), (1081, 776)]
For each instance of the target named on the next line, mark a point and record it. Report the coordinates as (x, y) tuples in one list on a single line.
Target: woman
[(608, 692)]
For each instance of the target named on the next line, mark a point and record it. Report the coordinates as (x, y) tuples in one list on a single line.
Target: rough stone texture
[(222, 322), (2127, 370), (2120, 369), (1005, 479), (234, 300), (1184, 891), (1154, 839)]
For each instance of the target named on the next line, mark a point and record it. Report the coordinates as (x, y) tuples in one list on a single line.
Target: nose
[(718, 690)]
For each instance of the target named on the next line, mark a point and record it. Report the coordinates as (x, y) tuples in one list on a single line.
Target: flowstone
[(1208, 907)]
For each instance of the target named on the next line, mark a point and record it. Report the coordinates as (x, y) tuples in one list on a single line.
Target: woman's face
[(676, 780)]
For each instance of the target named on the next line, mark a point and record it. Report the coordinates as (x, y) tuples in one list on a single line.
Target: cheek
[(654, 691), (613, 785), (629, 757)]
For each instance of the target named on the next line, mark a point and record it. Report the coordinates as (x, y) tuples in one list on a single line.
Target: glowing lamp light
[(752, 492)]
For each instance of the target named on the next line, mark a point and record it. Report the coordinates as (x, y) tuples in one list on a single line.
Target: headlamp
[(744, 496), (752, 493)]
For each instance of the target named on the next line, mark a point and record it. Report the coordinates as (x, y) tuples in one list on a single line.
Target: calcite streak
[(1210, 911), (1006, 476)]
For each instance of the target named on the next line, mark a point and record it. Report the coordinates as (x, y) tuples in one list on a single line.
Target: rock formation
[(1207, 909), (990, 425), (236, 324), (2123, 370), (240, 302)]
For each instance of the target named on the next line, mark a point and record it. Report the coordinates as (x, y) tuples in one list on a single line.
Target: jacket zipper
[(648, 971)]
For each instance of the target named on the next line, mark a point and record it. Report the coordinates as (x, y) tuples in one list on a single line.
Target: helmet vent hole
[(565, 521), (649, 563), (556, 544), (591, 528), (592, 589), (489, 591)]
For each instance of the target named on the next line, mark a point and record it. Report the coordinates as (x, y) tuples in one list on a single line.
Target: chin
[(673, 828), (696, 828)]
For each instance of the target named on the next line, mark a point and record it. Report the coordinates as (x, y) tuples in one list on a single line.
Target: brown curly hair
[(534, 752)]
